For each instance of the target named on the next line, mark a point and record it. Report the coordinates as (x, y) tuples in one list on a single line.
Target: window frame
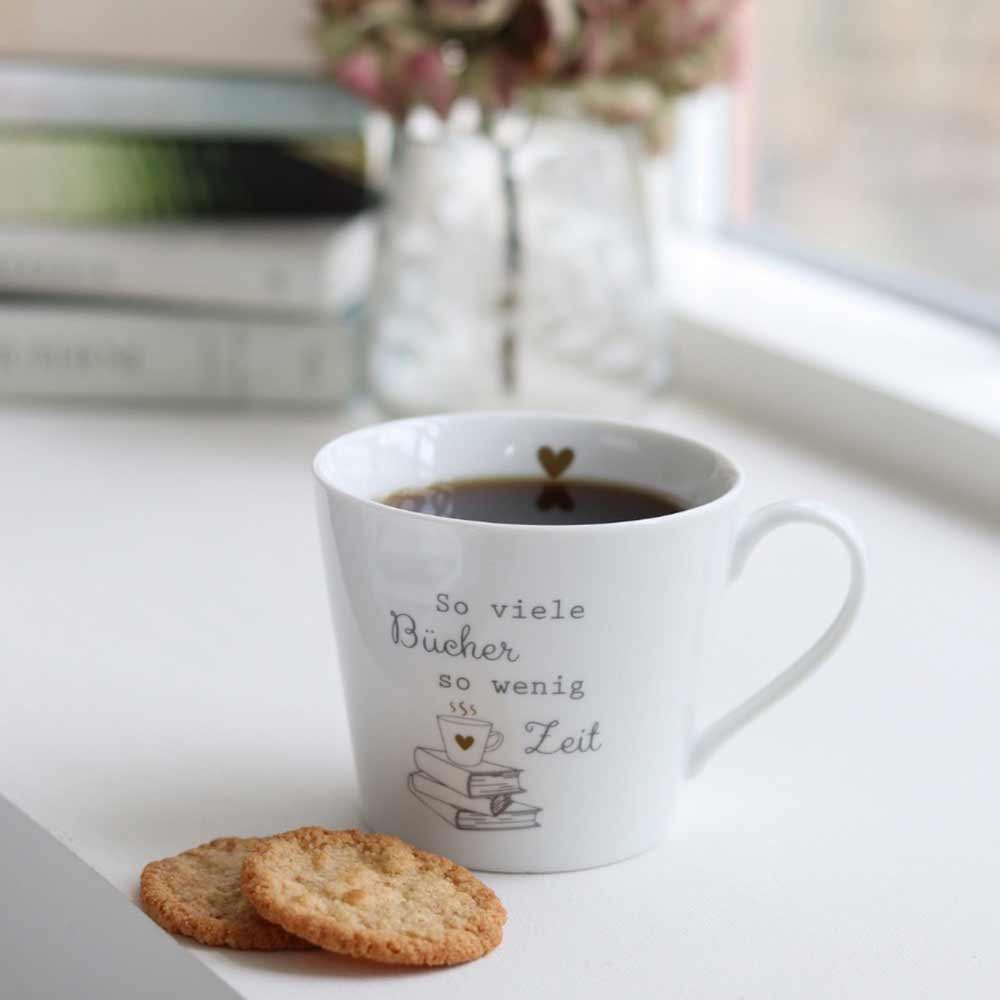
[(884, 375)]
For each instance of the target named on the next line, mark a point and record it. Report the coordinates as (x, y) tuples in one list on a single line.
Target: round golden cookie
[(372, 896), (198, 894)]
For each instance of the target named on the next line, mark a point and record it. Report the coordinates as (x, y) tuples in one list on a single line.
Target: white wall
[(226, 33)]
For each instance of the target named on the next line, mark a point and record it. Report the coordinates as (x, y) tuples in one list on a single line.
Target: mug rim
[(518, 415)]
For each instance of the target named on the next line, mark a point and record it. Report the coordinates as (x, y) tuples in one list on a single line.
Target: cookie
[(198, 894), (372, 896)]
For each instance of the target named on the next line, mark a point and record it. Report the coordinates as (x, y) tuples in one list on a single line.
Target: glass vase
[(518, 267)]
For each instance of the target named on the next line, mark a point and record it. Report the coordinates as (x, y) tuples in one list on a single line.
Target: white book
[(283, 267), (83, 351), (120, 98), (490, 805)]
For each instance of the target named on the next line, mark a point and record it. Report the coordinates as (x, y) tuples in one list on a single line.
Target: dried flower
[(468, 15), (628, 58)]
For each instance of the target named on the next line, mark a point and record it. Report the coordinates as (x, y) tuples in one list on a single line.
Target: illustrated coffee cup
[(581, 642), (467, 741)]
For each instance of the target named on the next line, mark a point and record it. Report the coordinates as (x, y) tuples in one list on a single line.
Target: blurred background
[(198, 187), (870, 142), (184, 217)]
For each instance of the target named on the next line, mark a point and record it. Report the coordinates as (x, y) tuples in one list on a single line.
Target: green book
[(86, 178)]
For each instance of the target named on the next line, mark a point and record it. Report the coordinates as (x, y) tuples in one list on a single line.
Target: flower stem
[(512, 264)]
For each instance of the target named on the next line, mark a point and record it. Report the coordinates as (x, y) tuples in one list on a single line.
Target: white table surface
[(168, 676)]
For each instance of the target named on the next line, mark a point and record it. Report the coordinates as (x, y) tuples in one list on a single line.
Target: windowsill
[(903, 385), (100, 664)]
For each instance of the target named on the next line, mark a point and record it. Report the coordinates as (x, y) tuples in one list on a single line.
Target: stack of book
[(171, 237), (471, 796)]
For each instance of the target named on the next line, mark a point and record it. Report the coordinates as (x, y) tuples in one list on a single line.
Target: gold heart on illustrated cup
[(464, 741), (555, 463)]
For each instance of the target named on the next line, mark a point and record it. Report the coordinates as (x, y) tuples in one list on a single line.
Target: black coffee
[(536, 501)]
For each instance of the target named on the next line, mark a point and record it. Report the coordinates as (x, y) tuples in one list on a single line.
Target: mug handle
[(762, 522), (494, 740)]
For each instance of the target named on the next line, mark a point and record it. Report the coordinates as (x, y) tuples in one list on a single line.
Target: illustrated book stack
[(471, 796)]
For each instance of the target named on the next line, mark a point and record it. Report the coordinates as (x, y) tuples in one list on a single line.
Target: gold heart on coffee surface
[(465, 741), (555, 463), (554, 495)]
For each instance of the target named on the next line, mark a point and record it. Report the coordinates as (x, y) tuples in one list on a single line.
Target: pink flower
[(361, 73), (425, 77), (399, 53)]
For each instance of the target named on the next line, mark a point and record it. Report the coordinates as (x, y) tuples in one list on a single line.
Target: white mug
[(579, 643)]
